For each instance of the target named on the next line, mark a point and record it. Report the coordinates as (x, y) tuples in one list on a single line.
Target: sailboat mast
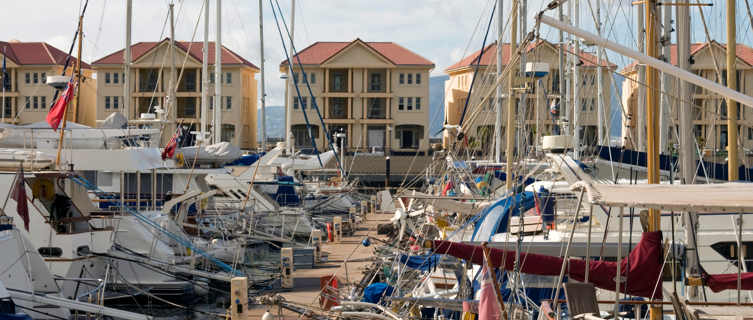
[(601, 118), (687, 142), (205, 76), (652, 123), (577, 100), (263, 93), (498, 98), (171, 95), (217, 121), (76, 92), (510, 130), (732, 155), (288, 81), (563, 79), (523, 103), (640, 108), (127, 62), (665, 104)]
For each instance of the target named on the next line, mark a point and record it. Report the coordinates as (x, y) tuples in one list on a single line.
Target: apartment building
[(376, 93), (709, 109), (27, 96), (478, 123), (150, 86)]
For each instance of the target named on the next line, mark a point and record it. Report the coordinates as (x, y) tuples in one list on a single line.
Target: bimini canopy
[(701, 198)]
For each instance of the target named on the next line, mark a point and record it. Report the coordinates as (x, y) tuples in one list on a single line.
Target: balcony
[(338, 80), (186, 107), (377, 81), (338, 108), (188, 81), (148, 80), (376, 108)]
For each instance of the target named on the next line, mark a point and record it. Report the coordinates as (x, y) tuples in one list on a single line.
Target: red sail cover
[(720, 282), (642, 278)]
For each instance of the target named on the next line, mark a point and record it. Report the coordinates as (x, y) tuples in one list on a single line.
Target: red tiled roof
[(320, 51), (744, 53), (490, 56), (35, 53), (194, 50)]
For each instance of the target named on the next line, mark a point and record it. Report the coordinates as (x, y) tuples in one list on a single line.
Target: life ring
[(42, 188)]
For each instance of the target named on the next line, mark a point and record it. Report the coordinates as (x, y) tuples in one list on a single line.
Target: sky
[(442, 31)]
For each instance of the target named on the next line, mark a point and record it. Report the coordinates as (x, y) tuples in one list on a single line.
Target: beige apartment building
[(27, 96), (709, 109), (377, 93), (478, 124), (150, 76)]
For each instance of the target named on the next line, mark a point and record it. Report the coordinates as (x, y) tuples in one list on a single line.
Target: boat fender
[(42, 188)]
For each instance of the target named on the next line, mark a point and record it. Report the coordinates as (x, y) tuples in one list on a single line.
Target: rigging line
[(308, 86), (476, 66), (295, 84)]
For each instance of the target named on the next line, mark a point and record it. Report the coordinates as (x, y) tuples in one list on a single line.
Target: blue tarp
[(420, 262), (246, 160), (376, 291), (494, 218)]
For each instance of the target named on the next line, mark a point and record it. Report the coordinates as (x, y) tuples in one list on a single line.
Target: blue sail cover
[(494, 218), (420, 262)]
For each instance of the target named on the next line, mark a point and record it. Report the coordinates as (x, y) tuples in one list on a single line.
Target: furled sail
[(639, 279)]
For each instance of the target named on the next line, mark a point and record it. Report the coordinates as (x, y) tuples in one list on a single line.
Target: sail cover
[(639, 279), (721, 282)]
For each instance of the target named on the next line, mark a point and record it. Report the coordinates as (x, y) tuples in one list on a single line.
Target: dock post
[(316, 242), (363, 209), (337, 229), (352, 220), (373, 204), (286, 264), (238, 298)]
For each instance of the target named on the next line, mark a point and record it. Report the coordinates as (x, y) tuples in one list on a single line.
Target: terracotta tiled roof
[(490, 56), (194, 50), (35, 53), (744, 53), (320, 51)]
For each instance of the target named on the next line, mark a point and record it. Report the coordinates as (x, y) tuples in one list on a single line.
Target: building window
[(400, 103), (410, 78), (211, 77), (44, 102), (36, 77), (295, 103), (44, 77), (582, 104), (409, 136), (338, 108), (228, 132), (107, 77), (295, 77), (376, 82), (750, 133), (301, 134), (28, 102), (27, 76), (304, 102), (312, 79), (228, 102), (418, 102), (402, 78), (115, 78), (229, 79), (115, 101), (107, 103), (410, 103), (418, 78), (36, 102)]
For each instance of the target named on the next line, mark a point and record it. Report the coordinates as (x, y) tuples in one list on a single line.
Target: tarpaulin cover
[(720, 282), (645, 265), (420, 262), (375, 291)]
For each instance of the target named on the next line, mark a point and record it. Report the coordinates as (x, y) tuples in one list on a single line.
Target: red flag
[(171, 146), (58, 109), (19, 195)]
